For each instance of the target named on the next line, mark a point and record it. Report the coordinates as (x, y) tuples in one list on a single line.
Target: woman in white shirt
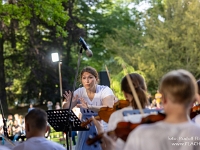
[(90, 98)]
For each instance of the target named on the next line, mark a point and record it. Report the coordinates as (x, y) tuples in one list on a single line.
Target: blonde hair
[(180, 86)]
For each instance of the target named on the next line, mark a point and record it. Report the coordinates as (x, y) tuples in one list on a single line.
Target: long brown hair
[(140, 88)]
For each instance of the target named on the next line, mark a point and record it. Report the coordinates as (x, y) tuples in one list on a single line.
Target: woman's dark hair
[(198, 84), (89, 70), (140, 88)]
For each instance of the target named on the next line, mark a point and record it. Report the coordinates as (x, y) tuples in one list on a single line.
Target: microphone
[(85, 47)]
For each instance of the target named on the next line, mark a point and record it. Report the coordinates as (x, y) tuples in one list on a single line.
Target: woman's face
[(128, 97), (88, 80)]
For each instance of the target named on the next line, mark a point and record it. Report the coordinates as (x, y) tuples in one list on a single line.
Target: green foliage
[(171, 42), (165, 39), (26, 28)]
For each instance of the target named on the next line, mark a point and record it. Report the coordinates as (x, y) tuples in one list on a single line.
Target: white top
[(196, 119), (101, 92), (164, 136), (4, 148), (117, 117), (38, 143)]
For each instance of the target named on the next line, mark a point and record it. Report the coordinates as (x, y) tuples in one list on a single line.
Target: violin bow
[(133, 91), (108, 76), (111, 85)]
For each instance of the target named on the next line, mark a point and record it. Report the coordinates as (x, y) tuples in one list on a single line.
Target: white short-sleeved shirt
[(164, 136), (101, 92), (117, 117), (196, 119), (38, 143), (4, 148)]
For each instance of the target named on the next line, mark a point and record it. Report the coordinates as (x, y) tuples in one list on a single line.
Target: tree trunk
[(2, 79)]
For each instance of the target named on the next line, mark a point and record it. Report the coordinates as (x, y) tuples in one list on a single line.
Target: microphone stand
[(68, 126)]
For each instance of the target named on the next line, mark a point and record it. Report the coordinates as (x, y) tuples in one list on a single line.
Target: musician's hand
[(83, 103), (108, 143), (67, 95), (99, 126)]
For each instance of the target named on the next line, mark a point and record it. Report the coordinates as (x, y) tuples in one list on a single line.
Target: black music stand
[(65, 121), (58, 119)]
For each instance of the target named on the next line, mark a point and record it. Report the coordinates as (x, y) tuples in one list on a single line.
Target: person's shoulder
[(79, 90), (116, 113), (103, 88), (56, 146), (4, 148), (194, 126), (19, 146)]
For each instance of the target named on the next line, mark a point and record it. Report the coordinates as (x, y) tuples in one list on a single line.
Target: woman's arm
[(106, 102)]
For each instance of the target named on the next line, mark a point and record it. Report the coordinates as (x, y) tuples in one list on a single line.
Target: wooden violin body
[(121, 104), (124, 128), (195, 111), (105, 112)]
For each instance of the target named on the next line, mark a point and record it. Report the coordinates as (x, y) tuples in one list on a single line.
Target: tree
[(20, 21), (171, 38), (165, 39)]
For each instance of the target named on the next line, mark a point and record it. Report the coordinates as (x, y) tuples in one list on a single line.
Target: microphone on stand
[(85, 47)]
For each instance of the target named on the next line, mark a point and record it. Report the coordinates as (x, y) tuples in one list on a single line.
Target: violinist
[(196, 119), (89, 98), (178, 89), (140, 87)]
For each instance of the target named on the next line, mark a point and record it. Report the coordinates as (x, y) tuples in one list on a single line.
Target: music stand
[(137, 111), (58, 118)]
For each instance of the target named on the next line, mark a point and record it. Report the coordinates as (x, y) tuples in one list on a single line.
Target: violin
[(124, 128), (105, 112), (121, 104), (195, 111)]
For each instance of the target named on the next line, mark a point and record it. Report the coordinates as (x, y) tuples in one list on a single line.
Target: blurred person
[(57, 106), (49, 105), (158, 97), (16, 130), (36, 127), (196, 119), (30, 107), (10, 124)]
